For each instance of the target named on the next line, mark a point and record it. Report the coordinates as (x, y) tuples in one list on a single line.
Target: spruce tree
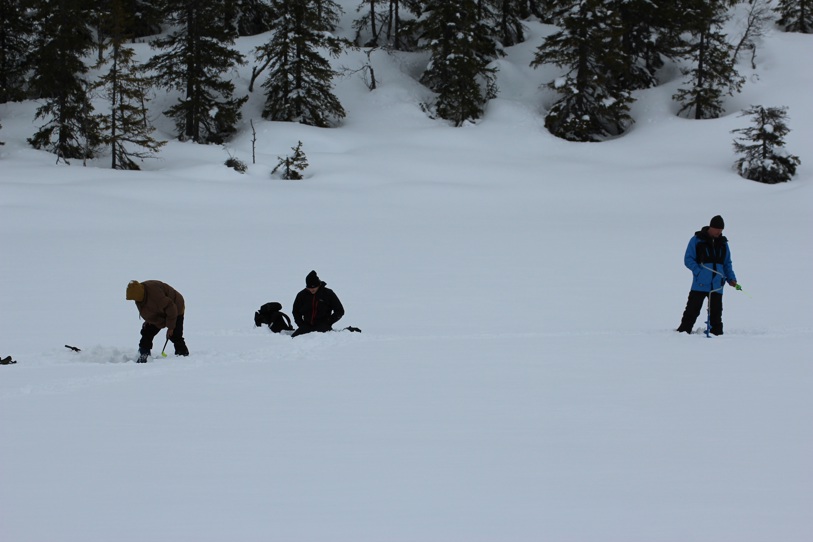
[(126, 128), (462, 50), (15, 45), (196, 59), (292, 166), (796, 15), (248, 17), (71, 129), (594, 104), (712, 74), (140, 18), (507, 15), (329, 13), (299, 87), (648, 38), (761, 146), (144, 17)]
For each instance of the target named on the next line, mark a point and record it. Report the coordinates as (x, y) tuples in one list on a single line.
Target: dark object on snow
[(271, 314), (316, 308), (69, 347), (353, 329), (7, 361)]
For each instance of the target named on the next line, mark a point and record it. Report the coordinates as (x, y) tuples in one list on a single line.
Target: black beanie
[(717, 222), (312, 280)]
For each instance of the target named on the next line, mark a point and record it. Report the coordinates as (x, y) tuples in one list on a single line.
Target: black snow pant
[(149, 331), (695, 304)]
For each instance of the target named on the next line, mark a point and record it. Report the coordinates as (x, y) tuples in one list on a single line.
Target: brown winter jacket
[(161, 305)]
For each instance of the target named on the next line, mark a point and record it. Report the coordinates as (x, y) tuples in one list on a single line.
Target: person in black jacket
[(316, 308)]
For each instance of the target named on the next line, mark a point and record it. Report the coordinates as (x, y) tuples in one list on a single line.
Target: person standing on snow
[(316, 308), (708, 257), (161, 306)]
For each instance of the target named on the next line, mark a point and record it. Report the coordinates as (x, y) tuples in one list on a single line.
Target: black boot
[(180, 348)]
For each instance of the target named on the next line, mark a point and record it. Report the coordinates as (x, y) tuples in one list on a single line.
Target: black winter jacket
[(319, 311)]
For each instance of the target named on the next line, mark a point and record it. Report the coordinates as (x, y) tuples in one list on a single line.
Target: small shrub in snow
[(291, 167), (761, 146), (236, 164)]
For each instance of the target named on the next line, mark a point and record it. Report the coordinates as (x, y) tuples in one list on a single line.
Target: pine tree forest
[(75, 59)]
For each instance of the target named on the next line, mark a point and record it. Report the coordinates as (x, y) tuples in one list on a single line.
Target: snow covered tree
[(15, 44), (713, 73), (195, 59), (462, 50), (796, 15), (126, 128), (647, 38), (248, 17), (71, 129), (299, 87), (594, 105), (761, 146), (508, 15), (329, 13)]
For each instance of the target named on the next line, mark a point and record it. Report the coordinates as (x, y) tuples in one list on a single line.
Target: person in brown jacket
[(161, 306)]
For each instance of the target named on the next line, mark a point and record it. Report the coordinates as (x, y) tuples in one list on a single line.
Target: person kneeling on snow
[(709, 259), (316, 308), (161, 306)]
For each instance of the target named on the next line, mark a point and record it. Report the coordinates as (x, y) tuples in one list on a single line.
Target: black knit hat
[(312, 280), (717, 222)]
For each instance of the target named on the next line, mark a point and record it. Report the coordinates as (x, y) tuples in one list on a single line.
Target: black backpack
[(272, 315)]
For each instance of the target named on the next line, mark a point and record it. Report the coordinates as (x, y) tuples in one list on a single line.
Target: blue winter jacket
[(709, 260)]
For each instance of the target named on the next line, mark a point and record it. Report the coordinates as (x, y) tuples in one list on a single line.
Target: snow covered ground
[(518, 377)]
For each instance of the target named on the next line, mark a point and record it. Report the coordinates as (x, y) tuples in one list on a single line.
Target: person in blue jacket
[(708, 257)]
